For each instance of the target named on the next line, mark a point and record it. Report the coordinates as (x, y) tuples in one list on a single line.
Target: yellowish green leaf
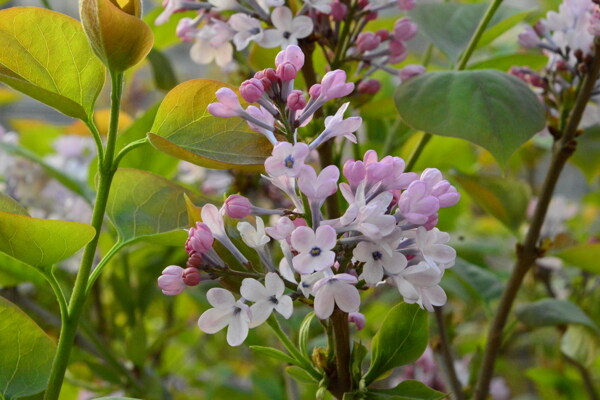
[(47, 56)]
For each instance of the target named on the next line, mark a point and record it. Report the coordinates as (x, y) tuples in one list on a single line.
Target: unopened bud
[(315, 90), (191, 276), (237, 206), (367, 41), (296, 100), (383, 34), (410, 71), (338, 11), (370, 86), (252, 90), (357, 319), (286, 72)]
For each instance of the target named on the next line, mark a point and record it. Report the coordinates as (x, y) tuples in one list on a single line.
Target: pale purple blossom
[(288, 29), (171, 281), (287, 159), (336, 125), (247, 29)]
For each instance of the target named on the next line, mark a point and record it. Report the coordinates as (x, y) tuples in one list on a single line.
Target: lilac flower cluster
[(566, 37), (386, 235), (271, 23)]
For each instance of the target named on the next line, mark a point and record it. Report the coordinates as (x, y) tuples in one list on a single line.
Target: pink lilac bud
[(383, 34), (237, 206), (431, 222), (362, 4), (372, 16), (271, 75), (367, 41), (186, 29), (315, 90), (540, 28), (334, 85), (227, 106), (200, 239), (191, 276), (406, 5), (410, 71), (404, 29), (398, 52), (416, 205), (286, 72), (357, 319), (296, 100), (370, 86), (194, 261), (355, 172), (529, 38), (171, 280), (292, 54), (338, 11), (252, 90)]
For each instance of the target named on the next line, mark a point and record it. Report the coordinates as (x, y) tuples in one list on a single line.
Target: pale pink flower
[(334, 85), (288, 29), (228, 104), (171, 281), (292, 54), (336, 125), (378, 260), (287, 159), (247, 29)]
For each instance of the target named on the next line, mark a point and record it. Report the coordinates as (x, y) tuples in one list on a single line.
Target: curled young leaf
[(117, 34)]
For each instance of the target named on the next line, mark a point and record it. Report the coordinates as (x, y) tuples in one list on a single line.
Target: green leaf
[(535, 61), (304, 332), (586, 157), (450, 26), (480, 282), (46, 55), (115, 398), (162, 70), (506, 199), (359, 352), (492, 109), (41, 242), (406, 390), (14, 272), (70, 183), (145, 157), (8, 204), (580, 344), (184, 129), (274, 353), (300, 374), (145, 206), (583, 256), (496, 30), (549, 312), (401, 339), (27, 353)]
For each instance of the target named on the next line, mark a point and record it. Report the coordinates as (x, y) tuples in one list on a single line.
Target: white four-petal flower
[(226, 312), (314, 248), (266, 298), (336, 290), (288, 29)]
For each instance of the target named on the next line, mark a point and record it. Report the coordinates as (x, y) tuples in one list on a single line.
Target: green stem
[(528, 252), (79, 295), (98, 139), (341, 340), (127, 149), (98, 270), (58, 292), (487, 17), (462, 64)]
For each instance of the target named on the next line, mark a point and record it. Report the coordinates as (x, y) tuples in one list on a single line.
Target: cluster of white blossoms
[(385, 236), (225, 26)]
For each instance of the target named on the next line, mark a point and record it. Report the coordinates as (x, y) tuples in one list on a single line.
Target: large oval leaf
[(504, 198), (184, 129), (549, 312), (450, 26), (401, 340), (41, 242), (27, 353), (489, 108), (143, 205), (47, 56), (584, 256)]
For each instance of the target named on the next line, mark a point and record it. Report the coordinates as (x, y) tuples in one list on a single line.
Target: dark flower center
[(255, 31), (289, 162), (286, 35), (315, 252), (273, 299), (377, 255)]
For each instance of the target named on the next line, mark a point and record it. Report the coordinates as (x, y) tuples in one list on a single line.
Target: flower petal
[(260, 312), (285, 307), (324, 303), (281, 17), (274, 285), (303, 239), (220, 298), (346, 297), (253, 290), (238, 328), (215, 319)]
